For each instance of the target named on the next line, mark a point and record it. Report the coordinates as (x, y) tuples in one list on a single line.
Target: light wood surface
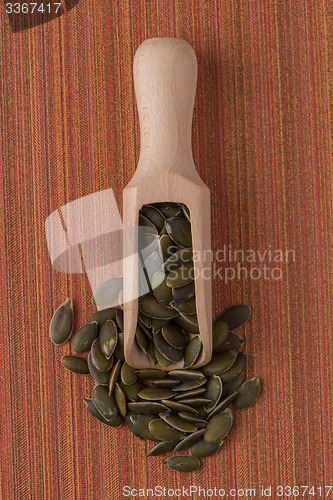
[(165, 74)]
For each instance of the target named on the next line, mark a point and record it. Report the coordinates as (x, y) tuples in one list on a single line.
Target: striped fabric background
[(262, 141)]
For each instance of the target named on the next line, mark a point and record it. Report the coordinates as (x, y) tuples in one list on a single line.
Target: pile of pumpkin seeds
[(178, 410)]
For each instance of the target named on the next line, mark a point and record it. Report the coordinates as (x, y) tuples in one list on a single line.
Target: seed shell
[(183, 463), (164, 432), (161, 448), (189, 440), (236, 316), (61, 325), (168, 209), (247, 393), (75, 364), (108, 337), (218, 427), (84, 337)]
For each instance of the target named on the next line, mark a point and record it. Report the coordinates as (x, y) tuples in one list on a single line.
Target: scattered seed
[(75, 364), (236, 316), (183, 463), (84, 337), (218, 427), (247, 393), (61, 325), (202, 449), (161, 448), (164, 432), (189, 440), (192, 352), (108, 338)]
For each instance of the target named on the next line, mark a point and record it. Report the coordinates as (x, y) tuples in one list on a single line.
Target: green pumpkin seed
[(178, 258), (146, 331), (184, 306), (223, 405), (192, 352), (151, 373), (186, 374), (108, 338), (186, 211), (131, 391), (177, 406), (162, 361), (141, 425), (189, 440), (75, 364), (181, 275), (141, 339), (192, 319), (98, 359), (232, 342), (183, 463), (105, 403), (103, 315), (185, 292), (145, 222), (247, 393), (189, 385), (151, 407), (147, 243), (148, 305), (195, 419), (154, 215), (174, 336), (169, 352), (164, 432), (162, 293), (131, 426), (101, 378), (120, 319), (220, 363), (233, 385), (236, 316), (166, 246), (202, 413), (93, 410), (107, 292), (153, 263), (213, 391), (155, 394), (236, 368), (185, 325), (144, 319), (151, 353), (179, 230), (120, 400), (168, 209), (218, 427), (220, 334), (61, 325), (161, 448), (119, 350), (202, 449), (114, 376), (84, 337), (167, 383), (178, 423), (157, 324), (191, 393), (128, 374), (195, 402)]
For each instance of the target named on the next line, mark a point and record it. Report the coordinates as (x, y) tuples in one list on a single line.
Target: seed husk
[(189, 440), (84, 337), (190, 417), (185, 292), (108, 337), (183, 463), (61, 325), (236, 369), (154, 215), (75, 364), (141, 339), (192, 351), (179, 230), (120, 400), (174, 336), (166, 383), (189, 385), (98, 358), (220, 363), (161, 448), (222, 406), (191, 393), (161, 291), (218, 427), (202, 449), (178, 258), (147, 407), (232, 386), (114, 376), (120, 319), (178, 423), (185, 325), (93, 410), (103, 315), (181, 275), (105, 403), (119, 350), (151, 374), (236, 316), (194, 402), (186, 374), (168, 209), (247, 393), (177, 406), (169, 352), (220, 334), (101, 378), (149, 306), (131, 426), (141, 423), (155, 393), (214, 390), (128, 374), (131, 391), (107, 292), (164, 432), (162, 361), (184, 306)]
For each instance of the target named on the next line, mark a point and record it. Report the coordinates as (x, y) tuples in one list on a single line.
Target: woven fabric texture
[(262, 142)]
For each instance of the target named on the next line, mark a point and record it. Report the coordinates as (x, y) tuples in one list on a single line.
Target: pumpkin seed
[(178, 423), (202, 449), (192, 319), (232, 342), (141, 339), (177, 406), (189, 385), (147, 243), (191, 393), (183, 463), (236, 316), (185, 325), (146, 331), (194, 402), (189, 440), (103, 315), (213, 391), (61, 325), (151, 373), (128, 374), (162, 293), (157, 324), (237, 368), (166, 383), (105, 403), (146, 407), (154, 215), (98, 358), (151, 353), (161, 448), (168, 209), (232, 386), (179, 230), (131, 391), (222, 406), (101, 378), (144, 221), (93, 410), (114, 376), (164, 432), (144, 319), (162, 361), (131, 426), (141, 423), (120, 400), (153, 263), (247, 393), (174, 336), (165, 246), (75, 364), (149, 306), (190, 417), (184, 306), (181, 275), (120, 319), (108, 338), (220, 363), (185, 292), (119, 350), (107, 292), (84, 337), (218, 427), (178, 258), (155, 393), (186, 374), (171, 353), (220, 334), (192, 352)]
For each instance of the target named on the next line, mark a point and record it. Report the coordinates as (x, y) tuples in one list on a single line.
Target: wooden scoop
[(165, 74)]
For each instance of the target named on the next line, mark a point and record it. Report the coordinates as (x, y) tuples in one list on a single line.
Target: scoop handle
[(165, 76)]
